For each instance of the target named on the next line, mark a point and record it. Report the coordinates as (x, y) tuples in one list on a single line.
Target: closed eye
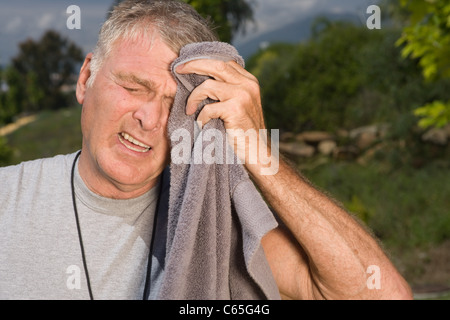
[(137, 90), (131, 89)]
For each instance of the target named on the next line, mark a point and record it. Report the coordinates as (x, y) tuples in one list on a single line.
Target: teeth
[(129, 138), (132, 140)]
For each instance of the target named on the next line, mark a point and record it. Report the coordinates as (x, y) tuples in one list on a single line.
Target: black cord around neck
[(83, 256)]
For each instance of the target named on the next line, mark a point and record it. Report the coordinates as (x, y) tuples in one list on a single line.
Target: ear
[(85, 73)]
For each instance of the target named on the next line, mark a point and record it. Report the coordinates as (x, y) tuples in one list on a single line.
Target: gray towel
[(216, 217)]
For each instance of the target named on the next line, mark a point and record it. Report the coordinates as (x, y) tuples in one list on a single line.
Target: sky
[(22, 19)]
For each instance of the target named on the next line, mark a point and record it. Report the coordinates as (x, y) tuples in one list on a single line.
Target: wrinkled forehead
[(142, 60), (144, 46), (146, 36)]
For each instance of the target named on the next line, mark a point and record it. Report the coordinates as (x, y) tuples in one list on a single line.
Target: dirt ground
[(14, 126), (426, 270)]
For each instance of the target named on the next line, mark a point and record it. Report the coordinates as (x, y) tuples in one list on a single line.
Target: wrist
[(256, 150)]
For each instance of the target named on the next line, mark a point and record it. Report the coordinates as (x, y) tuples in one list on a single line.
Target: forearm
[(338, 248)]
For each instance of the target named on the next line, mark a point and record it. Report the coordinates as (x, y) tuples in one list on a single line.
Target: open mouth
[(133, 144)]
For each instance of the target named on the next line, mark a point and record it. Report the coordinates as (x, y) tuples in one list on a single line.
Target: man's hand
[(239, 106), (235, 89)]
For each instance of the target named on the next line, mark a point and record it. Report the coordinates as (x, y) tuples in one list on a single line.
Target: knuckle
[(210, 112), (208, 83), (235, 112), (221, 66), (254, 86), (247, 95), (249, 92)]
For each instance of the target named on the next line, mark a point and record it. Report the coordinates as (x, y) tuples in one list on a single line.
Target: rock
[(355, 133), (378, 130), (365, 140), (342, 133), (297, 149), (345, 152), (364, 137), (436, 135), (287, 136), (447, 130), (314, 136), (326, 147)]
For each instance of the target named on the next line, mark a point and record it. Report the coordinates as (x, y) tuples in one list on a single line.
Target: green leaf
[(434, 114)]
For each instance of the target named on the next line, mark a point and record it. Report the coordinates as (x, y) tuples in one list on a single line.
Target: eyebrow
[(129, 77), (148, 84)]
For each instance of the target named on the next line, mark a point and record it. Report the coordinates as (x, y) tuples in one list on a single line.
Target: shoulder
[(41, 171), (35, 166)]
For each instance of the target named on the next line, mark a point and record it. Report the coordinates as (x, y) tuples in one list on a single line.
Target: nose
[(149, 115)]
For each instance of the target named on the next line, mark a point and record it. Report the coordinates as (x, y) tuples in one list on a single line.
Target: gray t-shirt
[(40, 256)]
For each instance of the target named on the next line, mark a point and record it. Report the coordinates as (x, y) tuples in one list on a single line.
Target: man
[(127, 90)]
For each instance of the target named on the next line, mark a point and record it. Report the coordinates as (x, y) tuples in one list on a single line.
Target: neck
[(103, 185)]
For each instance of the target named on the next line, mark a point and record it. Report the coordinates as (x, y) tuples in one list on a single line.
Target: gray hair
[(177, 23)]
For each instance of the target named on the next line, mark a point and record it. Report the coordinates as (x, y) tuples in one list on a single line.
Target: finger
[(217, 69), (208, 89), (234, 68), (210, 111), (242, 70), (228, 111)]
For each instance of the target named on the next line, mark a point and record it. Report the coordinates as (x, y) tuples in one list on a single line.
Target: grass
[(406, 207), (53, 132)]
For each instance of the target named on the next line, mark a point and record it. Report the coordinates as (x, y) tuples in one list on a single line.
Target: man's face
[(124, 119)]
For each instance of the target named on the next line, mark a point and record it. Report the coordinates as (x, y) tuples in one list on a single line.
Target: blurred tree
[(5, 152), (427, 38), (344, 77), (11, 100), (310, 85), (2, 96), (44, 67), (393, 13), (229, 16)]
